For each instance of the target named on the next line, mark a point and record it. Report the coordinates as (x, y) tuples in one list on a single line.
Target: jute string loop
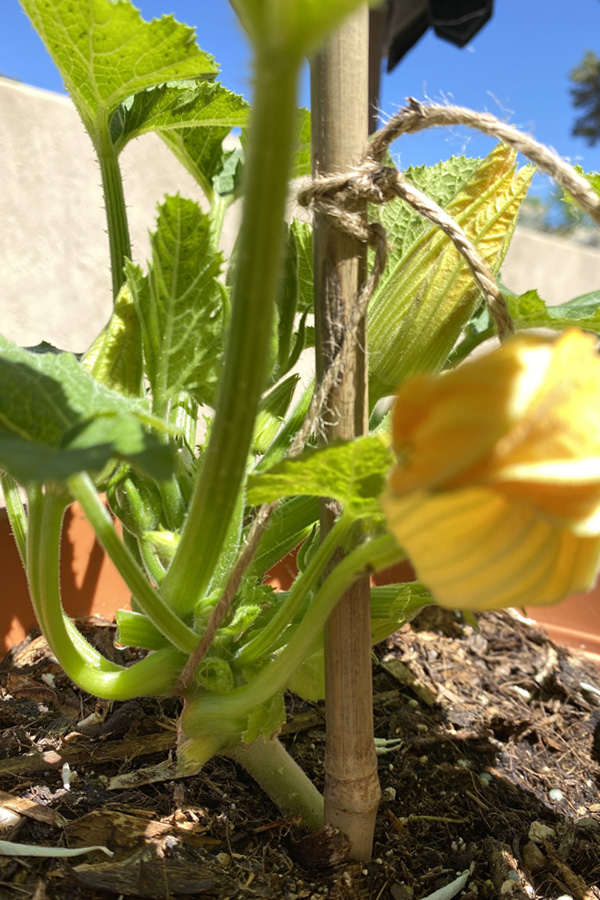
[(337, 196)]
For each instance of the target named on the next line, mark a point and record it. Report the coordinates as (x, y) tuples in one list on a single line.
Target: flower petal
[(443, 426), (475, 549)]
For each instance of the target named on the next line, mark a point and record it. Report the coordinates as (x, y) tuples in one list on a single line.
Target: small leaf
[(265, 719), (271, 412), (193, 120), (106, 52), (115, 357), (308, 680), (179, 305), (395, 604), (56, 419), (442, 182), (175, 107), (287, 304), (302, 162), (301, 235), (352, 473), (529, 311)]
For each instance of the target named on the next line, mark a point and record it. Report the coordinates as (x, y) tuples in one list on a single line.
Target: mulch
[(489, 768)]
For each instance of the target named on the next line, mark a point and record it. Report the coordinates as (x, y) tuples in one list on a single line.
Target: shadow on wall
[(89, 581)]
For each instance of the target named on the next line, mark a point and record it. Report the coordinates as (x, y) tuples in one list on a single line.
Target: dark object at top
[(457, 21)]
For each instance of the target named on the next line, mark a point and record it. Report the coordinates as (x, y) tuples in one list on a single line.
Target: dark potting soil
[(493, 773)]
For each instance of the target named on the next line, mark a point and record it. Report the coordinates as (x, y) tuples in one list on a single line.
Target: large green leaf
[(429, 295), (56, 419), (106, 52), (179, 305), (352, 473)]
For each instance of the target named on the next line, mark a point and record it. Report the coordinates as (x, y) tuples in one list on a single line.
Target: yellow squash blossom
[(496, 495)]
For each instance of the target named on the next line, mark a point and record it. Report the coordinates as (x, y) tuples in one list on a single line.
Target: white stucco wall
[(54, 267)]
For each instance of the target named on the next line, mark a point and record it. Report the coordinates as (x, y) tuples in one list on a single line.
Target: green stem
[(17, 514), (271, 766), (155, 569), (208, 713), (219, 206), (470, 341), (116, 212), (173, 503), (83, 664), (249, 339), (151, 603), (264, 642)]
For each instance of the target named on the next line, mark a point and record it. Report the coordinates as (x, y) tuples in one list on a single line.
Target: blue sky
[(517, 67)]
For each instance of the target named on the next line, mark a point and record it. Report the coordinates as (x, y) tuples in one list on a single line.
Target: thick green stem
[(269, 763), (210, 712), (150, 602), (116, 212), (93, 672), (256, 277)]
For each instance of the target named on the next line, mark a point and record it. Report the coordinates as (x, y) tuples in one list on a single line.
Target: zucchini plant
[(205, 516)]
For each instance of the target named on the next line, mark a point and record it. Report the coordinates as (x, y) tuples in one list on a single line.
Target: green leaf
[(271, 412), (353, 473), (429, 295), (593, 179), (308, 681), (442, 182), (301, 236), (193, 120), (395, 604), (115, 357), (56, 420), (289, 525), (106, 52), (175, 107), (179, 305), (392, 606), (265, 719), (302, 162), (529, 311)]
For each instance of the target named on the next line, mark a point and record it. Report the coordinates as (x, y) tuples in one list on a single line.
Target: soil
[(491, 772)]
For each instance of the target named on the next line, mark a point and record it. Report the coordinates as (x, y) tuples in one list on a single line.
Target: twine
[(336, 196)]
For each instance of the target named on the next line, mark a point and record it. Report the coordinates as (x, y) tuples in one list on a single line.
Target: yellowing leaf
[(424, 302)]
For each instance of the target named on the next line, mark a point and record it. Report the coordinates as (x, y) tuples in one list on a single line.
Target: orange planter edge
[(91, 585)]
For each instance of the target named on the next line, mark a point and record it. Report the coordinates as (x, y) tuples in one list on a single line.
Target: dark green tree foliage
[(586, 97)]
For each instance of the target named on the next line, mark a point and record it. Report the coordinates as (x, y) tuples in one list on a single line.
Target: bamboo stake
[(339, 86)]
